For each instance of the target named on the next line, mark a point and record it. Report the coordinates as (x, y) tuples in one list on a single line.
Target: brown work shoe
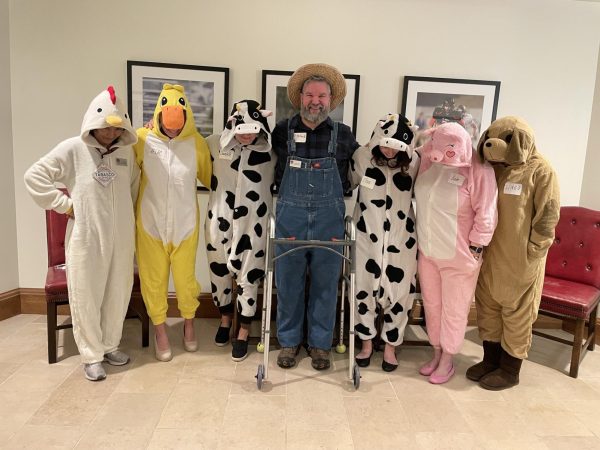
[(287, 357), (320, 358)]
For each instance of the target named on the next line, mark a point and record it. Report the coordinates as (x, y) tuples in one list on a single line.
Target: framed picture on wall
[(428, 102), (207, 90), (275, 98)]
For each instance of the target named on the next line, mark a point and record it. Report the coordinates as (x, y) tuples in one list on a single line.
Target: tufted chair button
[(557, 240), (580, 244), (588, 267), (597, 224), (573, 221), (564, 263)]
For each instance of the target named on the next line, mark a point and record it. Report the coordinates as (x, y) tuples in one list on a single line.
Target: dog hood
[(509, 140)]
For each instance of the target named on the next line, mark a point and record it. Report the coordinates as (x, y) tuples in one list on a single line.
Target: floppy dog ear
[(482, 140), (520, 146)]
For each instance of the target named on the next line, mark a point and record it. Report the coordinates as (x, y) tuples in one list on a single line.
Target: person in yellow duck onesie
[(510, 283), (172, 156)]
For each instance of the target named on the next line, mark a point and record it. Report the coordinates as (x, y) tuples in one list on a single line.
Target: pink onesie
[(456, 198)]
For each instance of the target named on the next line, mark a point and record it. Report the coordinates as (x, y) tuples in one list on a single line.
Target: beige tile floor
[(204, 400)]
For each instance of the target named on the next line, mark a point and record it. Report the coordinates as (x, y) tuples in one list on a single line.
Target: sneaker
[(222, 336), (320, 358), (287, 357), (116, 358), (239, 352), (94, 371)]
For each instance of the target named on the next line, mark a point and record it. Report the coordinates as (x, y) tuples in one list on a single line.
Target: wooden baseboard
[(10, 304)]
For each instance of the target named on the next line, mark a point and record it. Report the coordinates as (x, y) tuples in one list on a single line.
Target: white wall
[(62, 53), (590, 190), (9, 275)]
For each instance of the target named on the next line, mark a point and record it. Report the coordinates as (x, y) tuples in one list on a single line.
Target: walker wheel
[(260, 348), (356, 377), (340, 348), (260, 376)]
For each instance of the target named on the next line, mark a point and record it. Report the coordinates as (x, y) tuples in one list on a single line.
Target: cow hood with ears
[(247, 117)]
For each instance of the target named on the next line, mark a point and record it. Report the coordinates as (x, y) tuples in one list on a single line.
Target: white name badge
[(295, 163), (513, 188), (300, 137), (104, 175), (228, 155), (121, 162), (158, 152), (456, 179), (367, 182)]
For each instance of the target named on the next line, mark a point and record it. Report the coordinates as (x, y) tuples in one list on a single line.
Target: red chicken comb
[(113, 96)]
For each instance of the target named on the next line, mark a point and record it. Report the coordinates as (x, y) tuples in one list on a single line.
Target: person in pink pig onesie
[(456, 196)]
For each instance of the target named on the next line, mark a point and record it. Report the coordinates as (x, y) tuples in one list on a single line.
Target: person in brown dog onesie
[(510, 283)]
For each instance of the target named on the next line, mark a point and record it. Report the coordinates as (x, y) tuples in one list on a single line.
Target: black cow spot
[(393, 249), (362, 206), (224, 241), (219, 270), (362, 308), (392, 335), (252, 175), (262, 209), (413, 289), (230, 199), (210, 248), (402, 181), (253, 196), (210, 214), (361, 295), (378, 203), (360, 225), (410, 225), (239, 290), (387, 318), (386, 225), (381, 292), (237, 264), (243, 244), (411, 242), (227, 291), (240, 211), (394, 274), (397, 308), (251, 302), (213, 288), (257, 158), (401, 215), (373, 237), (376, 174), (223, 224), (259, 254), (258, 229), (388, 202), (213, 183), (255, 274), (360, 328), (235, 165), (373, 267), (216, 301)]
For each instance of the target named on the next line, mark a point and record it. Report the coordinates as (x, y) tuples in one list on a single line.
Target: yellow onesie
[(167, 208)]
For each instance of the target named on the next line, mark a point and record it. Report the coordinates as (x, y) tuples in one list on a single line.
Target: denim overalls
[(310, 206)]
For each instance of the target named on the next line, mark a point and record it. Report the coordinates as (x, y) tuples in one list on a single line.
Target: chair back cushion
[(56, 227), (575, 253)]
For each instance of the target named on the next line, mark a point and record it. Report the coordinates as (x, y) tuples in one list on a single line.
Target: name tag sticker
[(456, 179), (295, 163), (300, 137), (513, 188), (228, 155), (367, 182), (157, 152), (121, 162), (104, 175)]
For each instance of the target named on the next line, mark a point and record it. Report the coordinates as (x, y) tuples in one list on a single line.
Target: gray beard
[(317, 118)]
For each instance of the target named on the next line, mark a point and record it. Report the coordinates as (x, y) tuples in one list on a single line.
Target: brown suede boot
[(504, 377), (491, 361)]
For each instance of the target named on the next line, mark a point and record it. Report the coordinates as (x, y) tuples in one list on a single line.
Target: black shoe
[(239, 352), (388, 367), (364, 362), (222, 336)]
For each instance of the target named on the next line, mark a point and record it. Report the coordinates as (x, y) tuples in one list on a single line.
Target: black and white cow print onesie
[(239, 204), (386, 245)]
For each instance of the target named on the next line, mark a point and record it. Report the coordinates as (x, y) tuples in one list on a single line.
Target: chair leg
[(51, 325), (577, 344), (592, 328)]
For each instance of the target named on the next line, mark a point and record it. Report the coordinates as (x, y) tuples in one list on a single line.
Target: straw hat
[(331, 74)]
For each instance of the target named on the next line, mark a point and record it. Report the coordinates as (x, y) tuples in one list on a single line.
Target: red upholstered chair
[(572, 282), (56, 284)]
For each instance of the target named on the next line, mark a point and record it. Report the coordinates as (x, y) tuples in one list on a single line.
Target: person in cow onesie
[(238, 209), (172, 156), (99, 171), (386, 251), (510, 284), (456, 216)]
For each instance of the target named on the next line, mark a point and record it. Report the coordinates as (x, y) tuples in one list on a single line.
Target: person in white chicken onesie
[(99, 171), (456, 198), (238, 209)]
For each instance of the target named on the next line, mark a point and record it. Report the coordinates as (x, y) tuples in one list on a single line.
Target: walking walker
[(348, 278)]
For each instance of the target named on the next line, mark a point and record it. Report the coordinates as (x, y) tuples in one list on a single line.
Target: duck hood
[(173, 111)]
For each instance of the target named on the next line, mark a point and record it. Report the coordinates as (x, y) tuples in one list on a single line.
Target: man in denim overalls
[(312, 175)]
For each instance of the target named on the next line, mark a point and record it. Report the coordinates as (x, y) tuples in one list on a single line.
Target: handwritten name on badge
[(104, 175), (300, 137), (295, 163), (456, 179), (513, 188), (367, 182), (158, 152), (227, 154)]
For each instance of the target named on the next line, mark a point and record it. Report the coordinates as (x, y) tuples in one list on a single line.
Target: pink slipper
[(427, 370), (441, 379)]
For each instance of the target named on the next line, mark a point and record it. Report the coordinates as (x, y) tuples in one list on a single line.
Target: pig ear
[(266, 112), (428, 131)]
